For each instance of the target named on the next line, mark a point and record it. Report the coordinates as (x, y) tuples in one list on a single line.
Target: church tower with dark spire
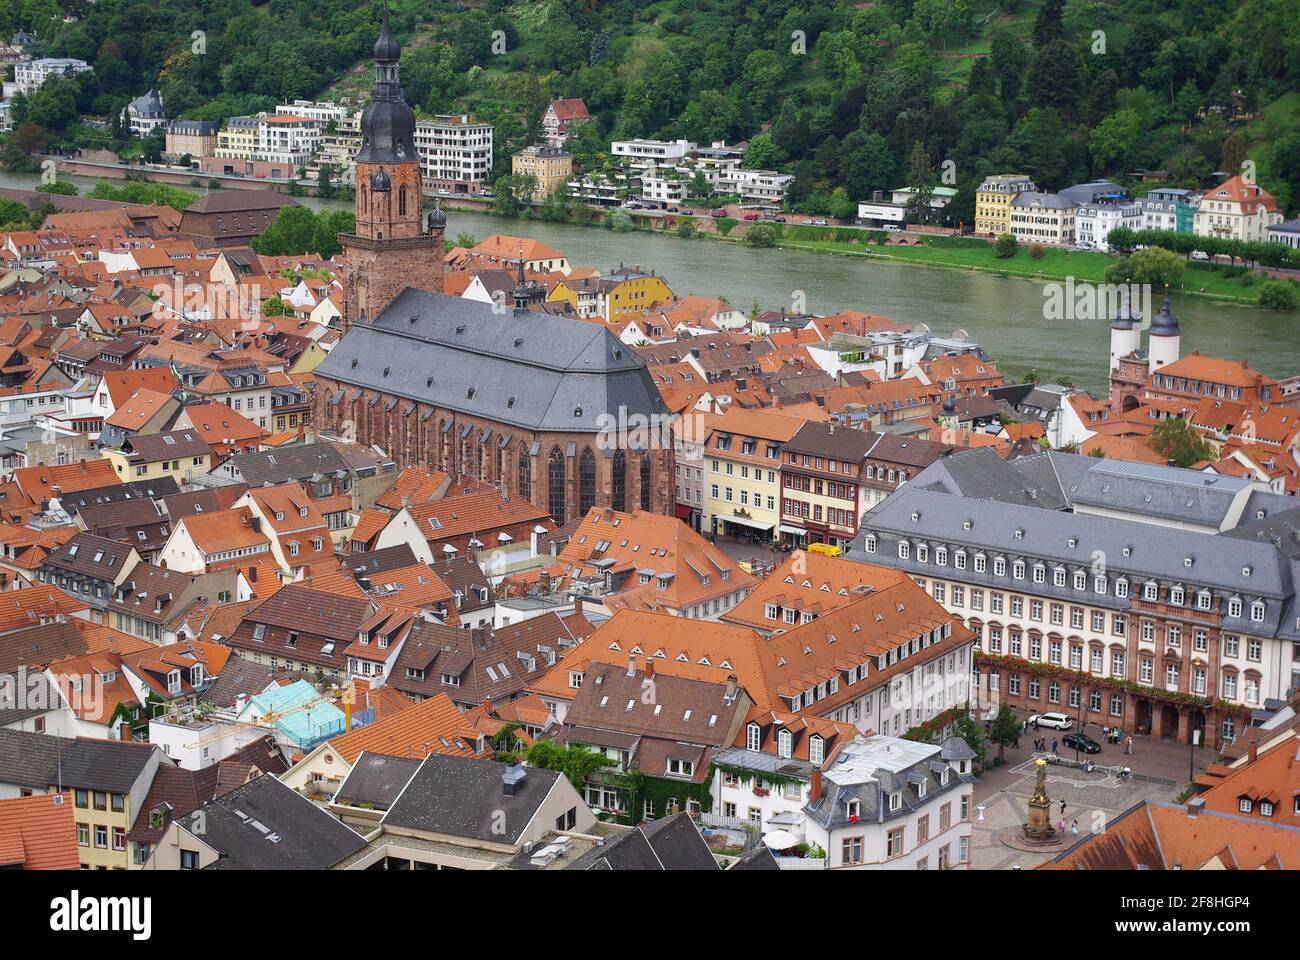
[(393, 247)]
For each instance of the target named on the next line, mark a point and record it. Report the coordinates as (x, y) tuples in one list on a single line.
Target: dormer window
[(816, 751), (785, 743), (753, 737), (853, 809), (895, 802)]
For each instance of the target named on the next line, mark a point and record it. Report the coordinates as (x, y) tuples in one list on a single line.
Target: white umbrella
[(780, 840)]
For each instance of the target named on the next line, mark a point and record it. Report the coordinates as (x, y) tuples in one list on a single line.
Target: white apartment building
[(455, 153), (644, 153), (287, 139), (764, 187), (1093, 222), (339, 147), (891, 804), (663, 185), (321, 112), (30, 74)]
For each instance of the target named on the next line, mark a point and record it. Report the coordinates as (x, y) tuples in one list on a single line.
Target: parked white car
[(1053, 721)]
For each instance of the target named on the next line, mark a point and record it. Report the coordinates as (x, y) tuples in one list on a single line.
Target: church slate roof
[(527, 369)]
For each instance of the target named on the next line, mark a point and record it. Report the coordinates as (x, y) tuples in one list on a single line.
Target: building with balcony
[(455, 153)]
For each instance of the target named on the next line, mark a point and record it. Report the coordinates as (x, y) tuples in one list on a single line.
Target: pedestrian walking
[(1062, 808), (1105, 733), (1074, 828), (1036, 723), (1053, 745), (1128, 746), (1061, 826)]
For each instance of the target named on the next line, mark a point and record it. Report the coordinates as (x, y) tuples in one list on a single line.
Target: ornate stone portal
[(1039, 829)]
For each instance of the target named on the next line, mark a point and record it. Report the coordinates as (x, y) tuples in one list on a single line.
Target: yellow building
[(109, 781), (238, 140), (993, 202), (742, 481), (629, 291), (581, 294), (180, 454), (549, 167)]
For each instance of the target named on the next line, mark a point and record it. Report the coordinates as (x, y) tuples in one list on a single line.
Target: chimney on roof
[(649, 667), (577, 605), (731, 688), (815, 787), (631, 664), (1195, 806), (512, 778), (1253, 752)]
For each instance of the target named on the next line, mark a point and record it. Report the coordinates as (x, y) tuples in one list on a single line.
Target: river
[(1005, 315)]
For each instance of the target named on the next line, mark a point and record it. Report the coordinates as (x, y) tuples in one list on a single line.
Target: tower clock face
[(406, 176)]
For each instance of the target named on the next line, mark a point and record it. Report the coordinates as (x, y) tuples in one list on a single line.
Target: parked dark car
[(1081, 741)]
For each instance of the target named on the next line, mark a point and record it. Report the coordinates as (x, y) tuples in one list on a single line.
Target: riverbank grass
[(1055, 264)]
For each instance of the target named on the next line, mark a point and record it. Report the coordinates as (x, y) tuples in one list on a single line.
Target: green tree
[(1279, 295), (761, 235), (761, 153), (920, 178), (1004, 247), (966, 728), (63, 187), (1175, 440), (576, 763), (1005, 730)]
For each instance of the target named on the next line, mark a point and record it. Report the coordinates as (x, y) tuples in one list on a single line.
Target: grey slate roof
[(529, 370), (376, 779), (460, 797), (294, 462), (1159, 491), (279, 829), (30, 759), (110, 765), (673, 843), (238, 676)]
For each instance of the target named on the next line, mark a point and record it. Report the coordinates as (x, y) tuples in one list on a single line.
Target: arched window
[(555, 485), (645, 481), (618, 478), (525, 473), (401, 201), (586, 481), (784, 743)]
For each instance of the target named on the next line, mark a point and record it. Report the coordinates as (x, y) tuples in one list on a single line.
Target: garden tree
[(54, 105), (1159, 267), (325, 181), (26, 139), (297, 230), (966, 728), (577, 763), (154, 144), (1010, 57), (1174, 440), (1279, 295), (1005, 730), (142, 191), (1112, 141), (982, 80), (1048, 25), (275, 307), (1054, 77), (920, 177), (760, 78), (63, 187), (1004, 247), (840, 205), (838, 53), (699, 185), (761, 235), (13, 215), (761, 153), (618, 221), (869, 167), (466, 240), (713, 115), (1234, 152)]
